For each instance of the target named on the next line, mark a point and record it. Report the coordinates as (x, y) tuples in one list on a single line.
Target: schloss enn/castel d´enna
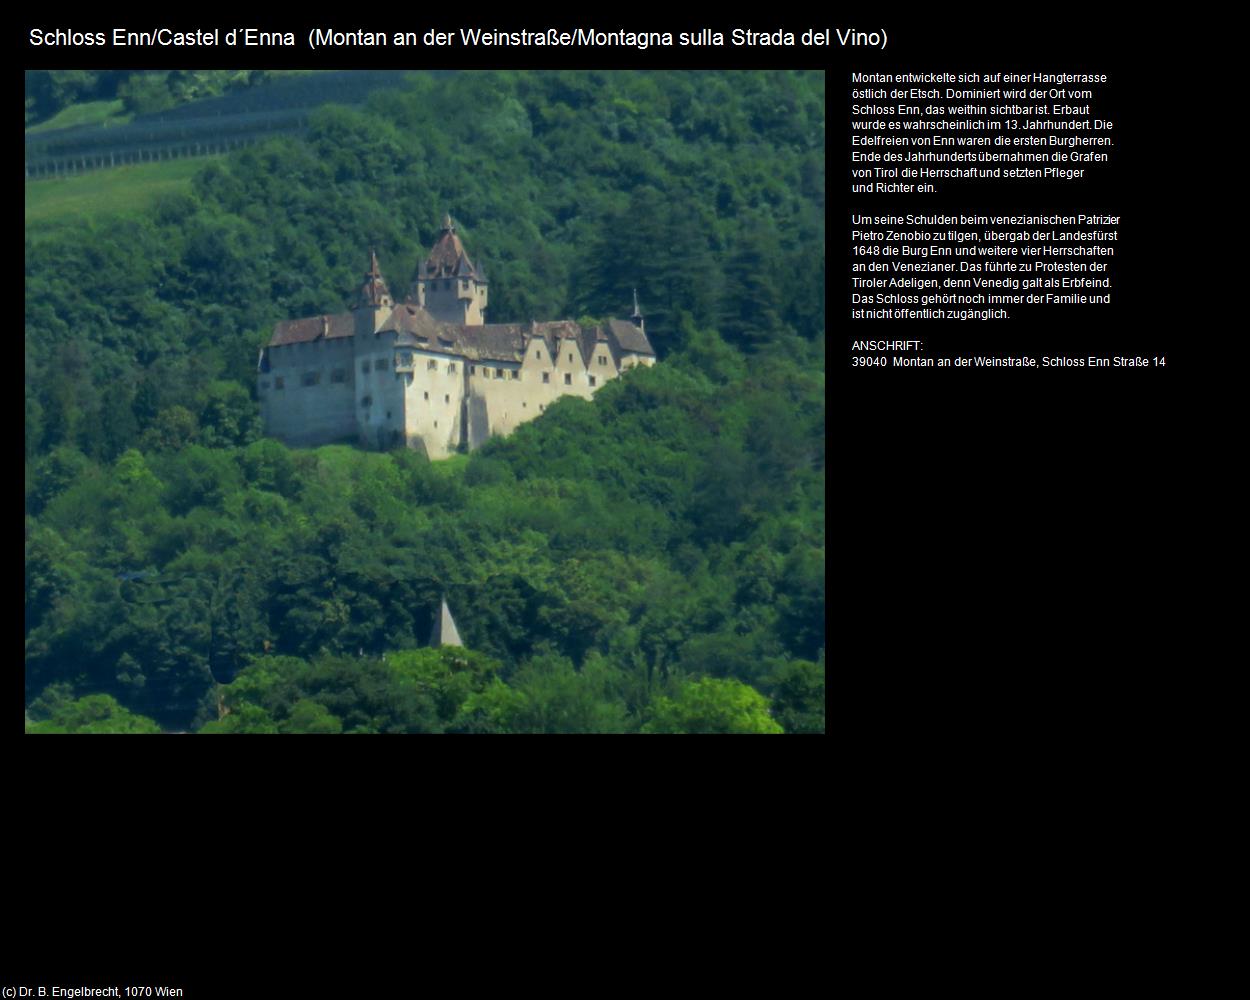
[(429, 371)]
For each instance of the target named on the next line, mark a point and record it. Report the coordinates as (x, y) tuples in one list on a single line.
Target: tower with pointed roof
[(373, 299), (448, 285)]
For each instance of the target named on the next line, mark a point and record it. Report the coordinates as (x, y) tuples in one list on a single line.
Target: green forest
[(650, 561)]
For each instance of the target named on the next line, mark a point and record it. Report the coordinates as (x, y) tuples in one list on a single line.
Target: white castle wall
[(433, 393), (303, 414)]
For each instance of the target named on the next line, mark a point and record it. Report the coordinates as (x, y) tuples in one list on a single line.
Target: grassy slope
[(102, 194), (90, 113)]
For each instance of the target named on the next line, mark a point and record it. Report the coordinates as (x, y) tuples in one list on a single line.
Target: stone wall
[(453, 300), (379, 392), (433, 390), (308, 395)]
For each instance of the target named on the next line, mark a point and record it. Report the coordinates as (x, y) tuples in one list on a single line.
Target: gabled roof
[(590, 337), (415, 321), (629, 337), (486, 342), (299, 331)]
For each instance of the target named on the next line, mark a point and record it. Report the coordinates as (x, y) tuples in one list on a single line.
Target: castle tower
[(448, 284), (373, 299)]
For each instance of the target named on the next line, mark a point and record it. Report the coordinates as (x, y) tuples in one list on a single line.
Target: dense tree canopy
[(650, 561)]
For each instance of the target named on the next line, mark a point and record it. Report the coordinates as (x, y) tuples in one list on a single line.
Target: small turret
[(373, 293), (636, 318)]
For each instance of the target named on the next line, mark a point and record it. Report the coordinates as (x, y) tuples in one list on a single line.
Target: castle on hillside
[(430, 371)]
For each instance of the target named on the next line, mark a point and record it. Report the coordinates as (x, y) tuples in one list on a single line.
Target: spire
[(374, 291), (636, 318), (447, 256), (444, 632)]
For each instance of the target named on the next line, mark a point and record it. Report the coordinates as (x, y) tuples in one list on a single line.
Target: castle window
[(447, 399), (338, 375), (568, 379), (311, 378), (592, 380), (546, 377), (364, 367), (279, 382), (388, 414), (541, 407), (407, 357), (538, 354), (522, 404), (451, 367), (602, 360), (498, 373), (427, 395), (516, 374), (366, 401), (432, 366), (472, 369), (570, 357), (446, 285), (435, 423)]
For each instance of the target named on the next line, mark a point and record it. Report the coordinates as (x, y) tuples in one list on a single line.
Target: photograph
[(425, 400)]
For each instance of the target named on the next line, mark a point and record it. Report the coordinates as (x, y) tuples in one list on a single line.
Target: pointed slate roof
[(445, 632), (447, 257), (374, 291)]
